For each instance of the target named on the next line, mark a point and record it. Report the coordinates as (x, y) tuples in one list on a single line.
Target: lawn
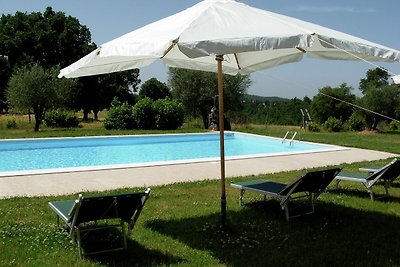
[(179, 225)]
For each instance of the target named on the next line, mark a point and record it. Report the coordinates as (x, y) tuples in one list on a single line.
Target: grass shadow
[(258, 235), (395, 184), (135, 255), (364, 194)]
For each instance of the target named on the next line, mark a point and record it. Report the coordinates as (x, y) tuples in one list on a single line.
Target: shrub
[(356, 122), (168, 114), (11, 124), (313, 127), (143, 114), (394, 125), (61, 118), (333, 125), (119, 117)]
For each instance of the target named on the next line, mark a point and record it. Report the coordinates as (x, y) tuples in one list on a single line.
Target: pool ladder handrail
[(291, 140)]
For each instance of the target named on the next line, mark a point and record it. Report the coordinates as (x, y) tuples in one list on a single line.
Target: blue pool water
[(56, 153)]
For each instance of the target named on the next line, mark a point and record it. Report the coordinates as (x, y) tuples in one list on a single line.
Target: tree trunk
[(37, 125), (96, 115), (375, 123), (39, 114), (204, 117), (86, 115)]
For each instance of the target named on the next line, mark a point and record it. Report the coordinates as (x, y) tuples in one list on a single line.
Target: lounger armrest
[(370, 169), (62, 209), (135, 217), (352, 177), (264, 187)]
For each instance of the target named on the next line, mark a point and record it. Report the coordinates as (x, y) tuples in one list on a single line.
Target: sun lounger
[(310, 185), (386, 174), (89, 213)]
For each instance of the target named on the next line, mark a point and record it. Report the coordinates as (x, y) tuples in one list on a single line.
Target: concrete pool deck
[(101, 180)]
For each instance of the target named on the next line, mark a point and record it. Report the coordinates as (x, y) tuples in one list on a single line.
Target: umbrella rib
[(168, 49), (301, 49), (237, 61)]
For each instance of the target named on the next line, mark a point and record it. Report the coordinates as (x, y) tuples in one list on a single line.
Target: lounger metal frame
[(385, 175), (78, 230), (297, 189)]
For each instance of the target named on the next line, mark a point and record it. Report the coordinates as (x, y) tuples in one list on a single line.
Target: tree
[(5, 73), (379, 97), (198, 91), (54, 39), (376, 78), (154, 89), (50, 39), (384, 100), (323, 106), (36, 89), (97, 92)]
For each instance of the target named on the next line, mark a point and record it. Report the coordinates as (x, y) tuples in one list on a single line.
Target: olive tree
[(379, 96), (154, 89), (384, 100), (36, 89), (326, 103), (198, 91)]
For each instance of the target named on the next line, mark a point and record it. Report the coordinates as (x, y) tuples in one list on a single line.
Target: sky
[(367, 19)]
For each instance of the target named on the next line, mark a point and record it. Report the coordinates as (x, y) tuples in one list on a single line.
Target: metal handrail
[(291, 140), (284, 138)]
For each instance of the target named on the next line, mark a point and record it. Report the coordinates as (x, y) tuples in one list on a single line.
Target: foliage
[(280, 112), (49, 38), (333, 125), (198, 91), (119, 117), (325, 103), (54, 39), (375, 78), (154, 89), (169, 114), (313, 127), (36, 89), (5, 73), (394, 126), (384, 100), (356, 122), (163, 114), (96, 92), (61, 118), (143, 114), (379, 97), (11, 123)]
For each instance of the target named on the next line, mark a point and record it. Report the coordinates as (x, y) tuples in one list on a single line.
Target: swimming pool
[(30, 156)]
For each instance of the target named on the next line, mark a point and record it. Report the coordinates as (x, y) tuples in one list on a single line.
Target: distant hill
[(256, 98)]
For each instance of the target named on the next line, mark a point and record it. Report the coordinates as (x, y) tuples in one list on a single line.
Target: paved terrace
[(74, 182)]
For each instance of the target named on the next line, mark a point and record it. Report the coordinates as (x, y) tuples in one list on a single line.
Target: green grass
[(179, 225), (382, 141)]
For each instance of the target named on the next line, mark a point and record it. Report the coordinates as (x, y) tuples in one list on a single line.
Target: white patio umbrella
[(242, 39), (396, 79)]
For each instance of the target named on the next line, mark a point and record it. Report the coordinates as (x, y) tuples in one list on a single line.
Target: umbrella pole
[(219, 59)]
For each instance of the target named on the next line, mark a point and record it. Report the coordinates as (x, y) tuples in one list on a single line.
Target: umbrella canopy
[(242, 39), (396, 79), (249, 38)]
